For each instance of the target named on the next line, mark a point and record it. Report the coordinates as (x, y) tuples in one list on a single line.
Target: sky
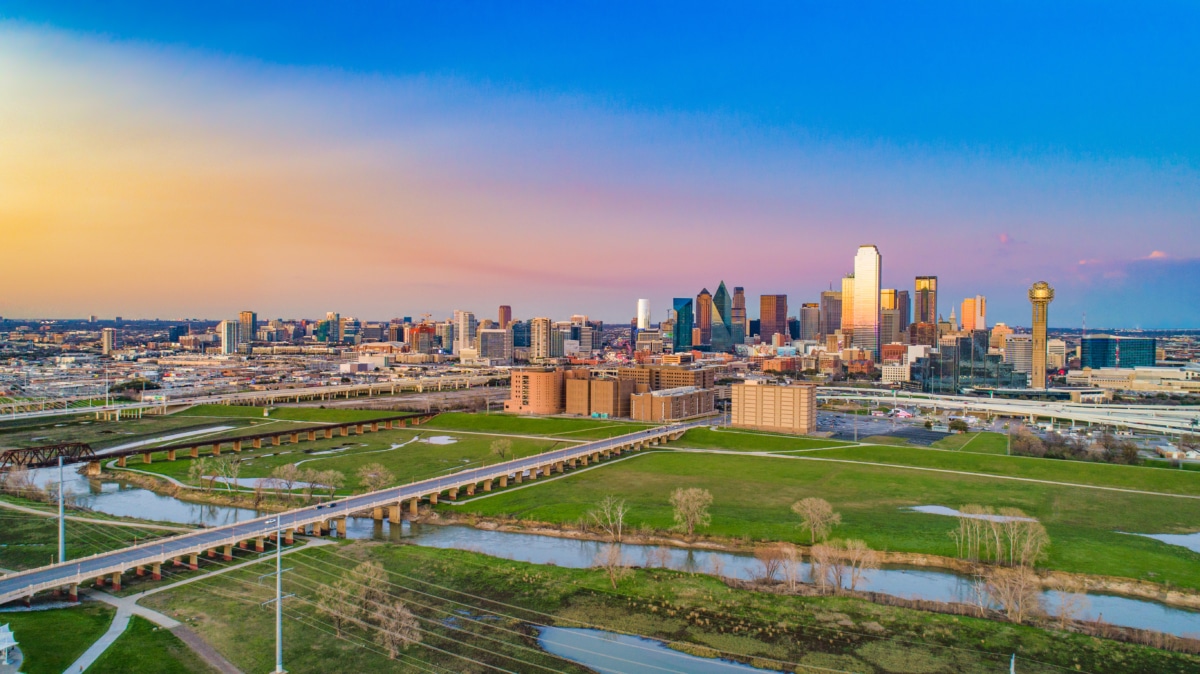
[(197, 159)]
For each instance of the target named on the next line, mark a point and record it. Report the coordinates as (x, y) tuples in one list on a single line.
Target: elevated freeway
[(1153, 418), (186, 549)]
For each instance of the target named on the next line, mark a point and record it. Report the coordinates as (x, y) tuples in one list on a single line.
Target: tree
[(858, 559), (613, 563), (197, 471), (311, 477), (331, 480), (609, 515), (1017, 591), (227, 468), (370, 583), (817, 516), (335, 602), (691, 508), (770, 560), (958, 426), (374, 477), (398, 628), (502, 448), (287, 475), (826, 568), (791, 564)]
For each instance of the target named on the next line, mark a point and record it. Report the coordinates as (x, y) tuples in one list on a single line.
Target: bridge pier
[(345, 430), (93, 468), (73, 592), (195, 452), (328, 433), (487, 484), (453, 492), (146, 457), (388, 425), (194, 561), (170, 455), (121, 461), (275, 440), (216, 449), (518, 476), (257, 443), (312, 436), (237, 446), (583, 459), (288, 537), (433, 498), (228, 553), (412, 507), (295, 438), (116, 581), (471, 489), (503, 481), (377, 514), (395, 513), (358, 429), (341, 527), (156, 571), (374, 426), (533, 473)]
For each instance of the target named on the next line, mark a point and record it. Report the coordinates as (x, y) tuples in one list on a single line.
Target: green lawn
[(1077, 472), (568, 429), (751, 441), (147, 649), (752, 499), (51, 640), (983, 442), (28, 541), (699, 611), (413, 460)]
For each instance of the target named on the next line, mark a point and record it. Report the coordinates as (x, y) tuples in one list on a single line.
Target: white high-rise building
[(868, 268), (1018, 350), (465, 327), (540, 338), (230, 334), (643, 315), (108, 340)]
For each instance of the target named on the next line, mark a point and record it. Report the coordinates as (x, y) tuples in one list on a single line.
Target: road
[(19, 585)]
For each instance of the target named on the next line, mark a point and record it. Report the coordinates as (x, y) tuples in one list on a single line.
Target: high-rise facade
[(904, 306), (926, 310), (496, 344), (810, 321), (772, 316), (868, 267), (248, 326), (974, 313), (831, 312), (465, 327), (739, 310), (704, 317), (847, 304), (539, 338), (108, 340), (1018, 350), (228, 332), (1109, 351), (505, 315), (684, 322), (724, 332), (889, 326), (643, 315), (1040, 296)]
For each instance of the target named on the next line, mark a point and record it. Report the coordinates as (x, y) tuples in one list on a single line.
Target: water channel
[(128, 500)]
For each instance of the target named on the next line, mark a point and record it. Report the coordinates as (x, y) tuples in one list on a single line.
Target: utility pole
[(62, 528), (278, 595)]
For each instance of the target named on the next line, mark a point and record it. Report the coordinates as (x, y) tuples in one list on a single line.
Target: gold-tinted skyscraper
[(1040, 295)]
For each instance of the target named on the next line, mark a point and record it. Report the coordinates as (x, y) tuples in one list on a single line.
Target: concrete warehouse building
[(672, 404), (782, 409)]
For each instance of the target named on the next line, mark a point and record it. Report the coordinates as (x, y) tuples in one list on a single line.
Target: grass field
[(413, 460), (146, 649), (576, 429), (51, 640), (752, 496), (983, 442), (1077, 472), (28, 541), (751, 441), (454, 595)]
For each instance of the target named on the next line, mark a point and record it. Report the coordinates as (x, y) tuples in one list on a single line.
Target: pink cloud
[(1156, 255)]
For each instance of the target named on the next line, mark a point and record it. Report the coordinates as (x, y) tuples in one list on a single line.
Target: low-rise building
[(672, 404), (536, 391), (767, 407)]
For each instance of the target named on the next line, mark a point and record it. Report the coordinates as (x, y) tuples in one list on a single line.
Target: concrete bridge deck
[(390, 503)]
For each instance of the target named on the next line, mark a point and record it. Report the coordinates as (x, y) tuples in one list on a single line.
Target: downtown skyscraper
[(724, 332), (684, 321), (739, 310), (926, 300), (772, 316), (868, 268)]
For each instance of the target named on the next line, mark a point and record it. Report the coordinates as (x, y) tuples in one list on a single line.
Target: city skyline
[(191, 155)]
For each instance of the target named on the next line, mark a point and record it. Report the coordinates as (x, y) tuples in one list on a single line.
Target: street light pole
[(62, 528), (279, 599)]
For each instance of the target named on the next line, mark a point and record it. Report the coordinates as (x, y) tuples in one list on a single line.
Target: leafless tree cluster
[(286, 477), (817, 516), (842, 564), (609, 515), (613, 563), (780, 560), (1007, 536), (658, 557), (19, 481), (691, 509), (362, 598), (198, 471), (1017, 591), (373, 477)]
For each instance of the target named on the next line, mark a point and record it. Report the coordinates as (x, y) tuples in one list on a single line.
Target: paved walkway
[(89, 520)]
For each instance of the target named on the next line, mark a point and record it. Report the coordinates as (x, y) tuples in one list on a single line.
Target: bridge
[(1170, 420), (391, 503), (55, 407)]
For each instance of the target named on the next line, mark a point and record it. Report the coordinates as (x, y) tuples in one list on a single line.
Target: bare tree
[(609, 514), (613, 563), (287, 475), (791, 564), (370, 583), (19, 481), (659, 557), (335, 601), (858, 559), (397, 628), (227, 468), (1017, 591), (374, 476), (311, 478), (197, 471), (827, 570), (716, 566), (332, 480), (502, 448), (691, 509), (817, 516), (1072, 602), (770, 560)]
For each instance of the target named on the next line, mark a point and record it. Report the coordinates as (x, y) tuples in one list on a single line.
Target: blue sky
[(990, 145)]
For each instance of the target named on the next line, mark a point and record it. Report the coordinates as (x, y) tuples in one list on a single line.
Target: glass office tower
[(684, 322), (868, 267)]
